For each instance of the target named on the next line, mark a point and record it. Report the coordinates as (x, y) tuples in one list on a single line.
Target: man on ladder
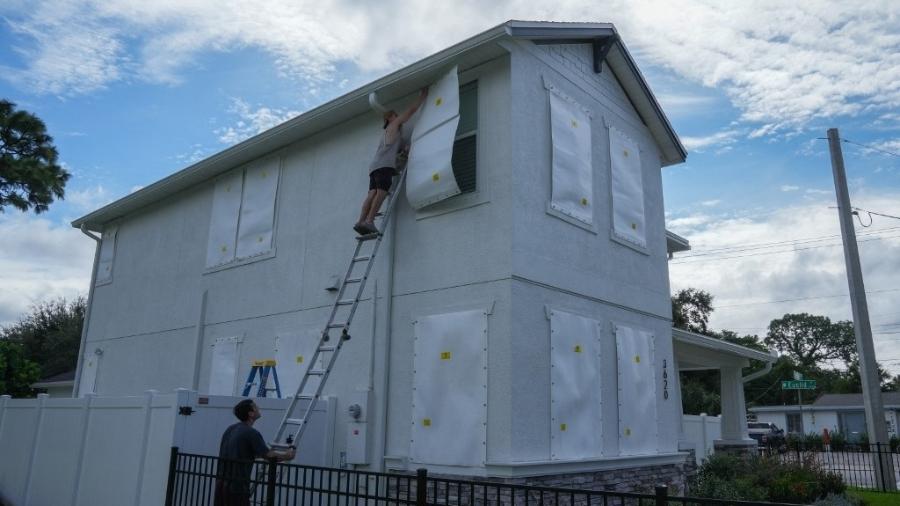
[(384, 165)]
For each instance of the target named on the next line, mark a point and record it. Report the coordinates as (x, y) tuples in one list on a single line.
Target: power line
[(696, 251), (868, 292), (687, 258), (872, 147)]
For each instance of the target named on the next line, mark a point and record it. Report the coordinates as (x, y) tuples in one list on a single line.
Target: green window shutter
[(464, 149)]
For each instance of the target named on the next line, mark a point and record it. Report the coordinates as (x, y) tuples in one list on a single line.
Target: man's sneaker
[(360, 228), (370, 228)]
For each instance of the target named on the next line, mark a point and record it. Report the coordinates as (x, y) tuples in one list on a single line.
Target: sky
[(133, 91)]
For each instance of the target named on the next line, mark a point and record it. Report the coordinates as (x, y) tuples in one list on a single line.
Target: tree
[(691, 309), (50, 334), (29, 175), (812, 341), (17, 373)]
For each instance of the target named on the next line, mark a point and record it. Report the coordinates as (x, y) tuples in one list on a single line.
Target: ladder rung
[(305, 397), (281, 446), (336, 325), (362, 258), (294, 421), (316, 372), (327, 348), (346, 302), (368, 237), (353, 280)]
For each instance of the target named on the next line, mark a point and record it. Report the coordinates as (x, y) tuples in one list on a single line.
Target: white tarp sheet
[(89, 368), (107, 255), (224, 367), (258, 209), (450, 389), (573, 189), (430, 178), (637, 391), (293, 352), (224, 219), (575, 403), (627, 188)]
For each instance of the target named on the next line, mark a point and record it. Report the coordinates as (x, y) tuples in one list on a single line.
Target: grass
[(875, 498)]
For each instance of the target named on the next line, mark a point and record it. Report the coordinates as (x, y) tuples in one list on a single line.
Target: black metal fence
[(873, 466), (193, 480)]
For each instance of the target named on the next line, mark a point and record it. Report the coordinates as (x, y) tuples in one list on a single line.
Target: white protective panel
[(258, 209), (107, 255), (638, 423), (573, 188), (575, 403), (627, 188), (89, 368), (430, 173), (449, 425), (223, 221), (293, 352), (224, 366)]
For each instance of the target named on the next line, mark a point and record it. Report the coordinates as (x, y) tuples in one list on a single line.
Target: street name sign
[(798, 384)]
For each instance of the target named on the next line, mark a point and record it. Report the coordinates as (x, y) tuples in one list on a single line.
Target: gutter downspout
[(87, 312), (762, 372)]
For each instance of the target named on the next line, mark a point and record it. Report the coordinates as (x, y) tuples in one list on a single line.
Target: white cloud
[(793, 253), (89, 198), (789, 188), (782, 66), (41, 260), (252, 121), (711, 203), (699, 144)]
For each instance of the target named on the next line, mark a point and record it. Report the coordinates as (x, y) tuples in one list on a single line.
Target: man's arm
[(403, 118), (282, 454)]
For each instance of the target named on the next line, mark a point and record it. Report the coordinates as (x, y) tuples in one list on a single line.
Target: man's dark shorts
[(381, 179)]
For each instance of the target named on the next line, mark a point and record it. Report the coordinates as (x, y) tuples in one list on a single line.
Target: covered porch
[(696, 352)]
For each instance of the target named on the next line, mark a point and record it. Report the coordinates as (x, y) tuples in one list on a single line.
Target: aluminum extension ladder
[(342, 311)]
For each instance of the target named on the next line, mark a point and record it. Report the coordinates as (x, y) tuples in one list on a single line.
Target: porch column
[(734, 412)]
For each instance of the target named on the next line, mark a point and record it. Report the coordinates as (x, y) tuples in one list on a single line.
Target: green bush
[(764, 478), (895, 443)]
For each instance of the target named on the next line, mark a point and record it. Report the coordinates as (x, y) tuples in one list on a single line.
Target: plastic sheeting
[(573, 189), (638, 421), (89, 368), (627, 188), (224, 367), (293, 352), (107, 255), (223, 221), (575, 402), (449, 425), (258, 209), (430, 178)]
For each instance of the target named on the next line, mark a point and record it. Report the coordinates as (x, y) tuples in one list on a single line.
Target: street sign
[(798, 384)]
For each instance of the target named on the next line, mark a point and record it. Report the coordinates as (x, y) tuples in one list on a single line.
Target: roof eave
[(721, 345)]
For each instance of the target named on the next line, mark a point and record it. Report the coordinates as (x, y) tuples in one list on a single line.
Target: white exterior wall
[(563, 266), (777, 418)]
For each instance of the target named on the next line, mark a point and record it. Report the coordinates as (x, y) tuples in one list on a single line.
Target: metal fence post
[(662, 495), (421, 487), (270, 483), (170, 486)]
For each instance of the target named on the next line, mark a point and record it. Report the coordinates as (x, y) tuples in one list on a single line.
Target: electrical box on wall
[(358, 428)]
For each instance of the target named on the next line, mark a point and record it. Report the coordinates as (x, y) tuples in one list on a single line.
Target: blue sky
[(133, 91)]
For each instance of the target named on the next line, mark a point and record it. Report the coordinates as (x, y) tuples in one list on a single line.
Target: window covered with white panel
[(572, 191), (627, 189), (242, 223), (638, 423), (107, 255)]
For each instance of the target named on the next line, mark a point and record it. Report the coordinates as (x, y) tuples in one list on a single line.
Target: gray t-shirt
[(386, 154), (243, 443)]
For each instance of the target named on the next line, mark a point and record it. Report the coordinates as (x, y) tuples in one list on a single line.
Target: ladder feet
[(345, 335)]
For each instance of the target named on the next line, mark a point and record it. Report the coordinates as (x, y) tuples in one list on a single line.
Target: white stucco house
[(839, 413), (548, 265)]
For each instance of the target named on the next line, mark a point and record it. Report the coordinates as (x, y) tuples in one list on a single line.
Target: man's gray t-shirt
[(244, 443)]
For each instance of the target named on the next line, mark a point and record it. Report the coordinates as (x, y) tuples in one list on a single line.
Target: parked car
[(765, 434)]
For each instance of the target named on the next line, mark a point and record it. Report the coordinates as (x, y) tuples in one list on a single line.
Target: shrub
[(838, 500), (764, 478), (895, 443)]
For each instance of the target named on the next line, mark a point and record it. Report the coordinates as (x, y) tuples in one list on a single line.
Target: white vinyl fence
[(701, 431), (115, 450)]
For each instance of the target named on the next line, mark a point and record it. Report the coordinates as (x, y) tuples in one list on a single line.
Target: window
[(627, 189), (795, 423), (243, 214), (464, 145), (107, 256)]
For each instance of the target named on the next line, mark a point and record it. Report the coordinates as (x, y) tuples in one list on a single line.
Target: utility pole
[(868, 368)]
